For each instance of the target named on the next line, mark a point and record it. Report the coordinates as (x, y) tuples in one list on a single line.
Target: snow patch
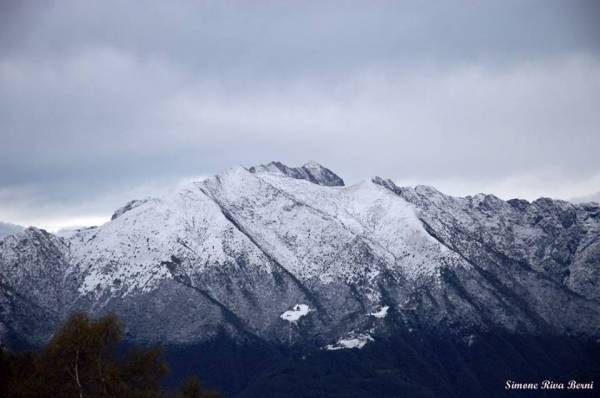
[(358, 340), (295, 313), (382, 313)]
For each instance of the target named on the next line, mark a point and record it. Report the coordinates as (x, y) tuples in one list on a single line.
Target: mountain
[(291, 263)]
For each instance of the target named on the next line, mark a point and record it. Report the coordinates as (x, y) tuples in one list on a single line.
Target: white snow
[(384, 221), (295, 313), (382, 313), (331, 234), (134, 247), (354, 340)]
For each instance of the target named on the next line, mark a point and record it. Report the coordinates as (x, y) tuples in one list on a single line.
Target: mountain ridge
[(236, 251)]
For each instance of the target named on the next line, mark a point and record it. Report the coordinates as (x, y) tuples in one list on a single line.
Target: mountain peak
[(311, 171)]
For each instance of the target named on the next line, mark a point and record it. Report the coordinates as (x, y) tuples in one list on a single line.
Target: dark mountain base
[(411, 365)]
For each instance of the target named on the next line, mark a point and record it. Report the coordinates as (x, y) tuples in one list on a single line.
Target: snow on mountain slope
[(33, 285), (295, 313), (132, 204), (129, 253), (352, 340), (304, 240), (37, 256), (381, 218), (184, 237), (544, 253), (237, 250), (548, 235)]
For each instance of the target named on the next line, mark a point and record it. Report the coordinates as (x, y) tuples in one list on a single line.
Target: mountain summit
[(292, 257), (311, 171)]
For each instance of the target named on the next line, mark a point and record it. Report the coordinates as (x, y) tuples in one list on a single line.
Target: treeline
[(82, 361)]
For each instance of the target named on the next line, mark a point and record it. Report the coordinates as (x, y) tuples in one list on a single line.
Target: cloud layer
[(103, 101)]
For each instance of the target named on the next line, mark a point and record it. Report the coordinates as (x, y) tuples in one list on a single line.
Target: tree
[(82, 361), (5, 371)]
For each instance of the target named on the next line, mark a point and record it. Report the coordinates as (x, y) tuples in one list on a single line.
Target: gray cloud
[(105, 100)]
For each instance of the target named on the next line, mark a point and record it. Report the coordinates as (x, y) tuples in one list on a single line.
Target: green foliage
[(81, 361)]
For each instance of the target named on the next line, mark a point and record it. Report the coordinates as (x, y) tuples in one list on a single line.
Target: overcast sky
[(105, 101)]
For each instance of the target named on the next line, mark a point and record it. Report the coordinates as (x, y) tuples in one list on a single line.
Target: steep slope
[(34, 286), (544, 254), (182, 248), (294, 257)]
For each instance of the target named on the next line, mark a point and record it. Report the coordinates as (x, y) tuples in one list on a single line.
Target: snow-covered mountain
[(293, 256)]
